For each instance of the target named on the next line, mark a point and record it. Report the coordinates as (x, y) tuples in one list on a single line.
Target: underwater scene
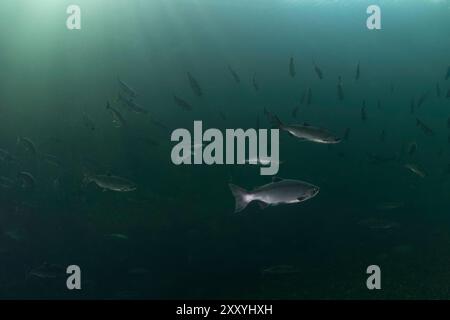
[(120, 177)]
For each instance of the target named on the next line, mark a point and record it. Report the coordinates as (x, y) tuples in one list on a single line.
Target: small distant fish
[(7, 183), (412, 148), (28, 144), (390, 205), (447, 76), (255, 84), (307, 132), (48, 271), (438, 90), (127, 89), (88, 122), (357, 72), (280, 270), (309, 97), (424, 127), (51, 159), (26, 180), (346, 134), (416, 169), (318, 71), (117, 118), (340, 90), (131, 105), (383, 136), (194, 85), (110, 182), (234, 74), (377, 224), (279, 191), (118, 236), (292, 67), (363, 114), (182, 103), (422, 99)]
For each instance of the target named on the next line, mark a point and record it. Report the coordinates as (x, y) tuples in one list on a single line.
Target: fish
[(26, 180), (182, 103), (346, 134), (7, 183), (279, 191), (340, 90), (110, 182), (438, 90), (6, 156), (255, 84), (118, 236), (28, 144), (424, 127), (357, 74), (295, 111), (412, 148), (51, 159), (416, 169), (127, 89), (48, 271), (363, 114), (280, 270), (292, 67), (234, 74), (390, 205), (309, 97), (422, 99), (447, 76), (378, 224), (302, 98), (88, 122), (262, 161), (117, 118), (194, 85), (318, 71), (307, 132)]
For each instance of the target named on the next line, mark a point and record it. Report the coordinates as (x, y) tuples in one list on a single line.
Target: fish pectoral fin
[(276, 179), (262, 204)]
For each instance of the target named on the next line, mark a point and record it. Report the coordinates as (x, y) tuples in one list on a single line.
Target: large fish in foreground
[(307, 132), (110, 182), (279, 191)]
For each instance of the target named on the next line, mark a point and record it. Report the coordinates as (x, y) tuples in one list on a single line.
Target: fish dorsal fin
[(276, 179), (262, 204)]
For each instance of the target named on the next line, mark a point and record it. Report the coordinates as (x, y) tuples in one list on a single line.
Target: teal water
[(179, 236)]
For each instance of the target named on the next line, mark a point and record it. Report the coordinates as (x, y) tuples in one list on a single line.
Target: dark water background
[(179, 222)]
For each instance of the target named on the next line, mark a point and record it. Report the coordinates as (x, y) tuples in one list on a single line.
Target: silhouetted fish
[(234, 74), (295, 111), (255, 84), (292, 67), (194, 85), (363, 113), (424, 127), (182, 103), (318, 71), (357, 72), (422, 99)]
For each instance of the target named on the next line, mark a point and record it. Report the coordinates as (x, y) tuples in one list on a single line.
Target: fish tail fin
[(277, 122), (241, 197)]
